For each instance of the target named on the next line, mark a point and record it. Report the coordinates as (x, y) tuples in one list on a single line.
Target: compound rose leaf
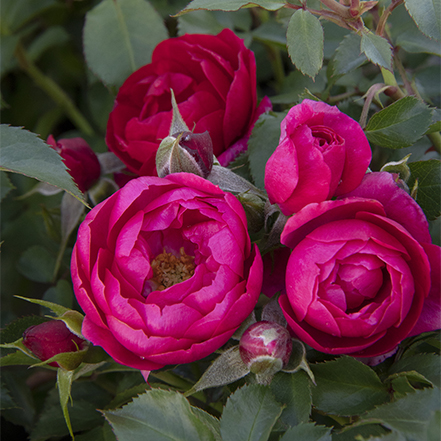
[(160, 415), (136, 28), (347, 387), (305, 42)]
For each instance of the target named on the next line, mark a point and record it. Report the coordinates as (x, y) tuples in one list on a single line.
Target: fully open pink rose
[(214, 80), (322, 153), (362, 275), (79, 158), (164, 271)]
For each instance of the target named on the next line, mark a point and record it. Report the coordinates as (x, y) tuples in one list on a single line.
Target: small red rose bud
[(79, 158), (51, 338), (265, 348)]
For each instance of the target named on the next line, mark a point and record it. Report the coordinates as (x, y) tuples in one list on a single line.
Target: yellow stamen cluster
[(169, 269)]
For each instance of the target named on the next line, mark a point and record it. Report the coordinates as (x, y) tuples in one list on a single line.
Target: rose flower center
[(168, 270)]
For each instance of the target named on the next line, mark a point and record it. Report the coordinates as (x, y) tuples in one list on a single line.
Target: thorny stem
[(382, 23), (277, 64), (337, 98), (403, 76), (53, 90)]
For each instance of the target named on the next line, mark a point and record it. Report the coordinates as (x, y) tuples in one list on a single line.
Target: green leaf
[(294, 391), (20, 393), (305, 42), (262, 144), (17, 358), (23, 152), (231, 5), (409, 415), (5, 185), (346, 387), (414, 41), (250, 414), (362, 433), (307, 432), (377, 49), (52, 424), (158, 415), (348, 55), (428, 365), (61, 294), (6, 402), (436, 122), (295, 86), (399, 125), (37, 264), (119, 38), (428, 174), (53, 36), (427, 16), (209, 420), (15, 13)]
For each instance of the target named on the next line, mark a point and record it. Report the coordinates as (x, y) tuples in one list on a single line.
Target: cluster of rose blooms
[(355, 267)]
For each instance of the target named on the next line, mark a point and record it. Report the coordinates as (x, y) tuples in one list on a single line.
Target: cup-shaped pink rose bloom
[(362, 275), (165, 271), (214, 81), (322, 153), (79, 158)]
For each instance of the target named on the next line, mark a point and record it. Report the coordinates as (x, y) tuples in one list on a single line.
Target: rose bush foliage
[(321, 153), (165, 271), (361, 276), (214, 81)]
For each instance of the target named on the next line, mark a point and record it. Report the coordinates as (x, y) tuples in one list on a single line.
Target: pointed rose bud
[(79, 158), (51, 338), (184, 151), (265, 348)]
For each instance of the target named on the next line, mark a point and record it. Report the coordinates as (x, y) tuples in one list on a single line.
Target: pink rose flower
[(362, 275), (214, 82), (51, 338), (165, 271), (79, 158), (322, 153)]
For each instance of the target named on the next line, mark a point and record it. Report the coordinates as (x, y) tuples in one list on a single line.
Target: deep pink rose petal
[(398, 205), (328, 155), (430, 318), (214, 81), (203, 300), (358, 282), (283, 162)]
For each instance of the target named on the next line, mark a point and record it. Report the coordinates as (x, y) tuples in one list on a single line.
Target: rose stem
[(53, 90)]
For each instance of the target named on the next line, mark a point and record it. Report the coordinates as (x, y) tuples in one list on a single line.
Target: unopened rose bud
[(79, 158), (51, 338), (265, 347), (185, 152)]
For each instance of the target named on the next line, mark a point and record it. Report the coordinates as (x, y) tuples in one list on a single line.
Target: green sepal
[(64, 384)]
